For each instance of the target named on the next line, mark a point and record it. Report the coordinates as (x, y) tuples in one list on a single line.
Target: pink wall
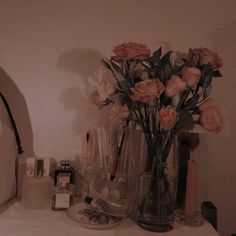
[(50, 59)]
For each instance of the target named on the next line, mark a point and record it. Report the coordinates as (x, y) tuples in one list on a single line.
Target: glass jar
[(157, 184)]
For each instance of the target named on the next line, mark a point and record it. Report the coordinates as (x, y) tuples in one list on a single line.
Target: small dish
[(90, 218)]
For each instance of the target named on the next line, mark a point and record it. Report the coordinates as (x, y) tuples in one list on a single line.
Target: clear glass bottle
[(37, 190), (64, 173), (63, 196)]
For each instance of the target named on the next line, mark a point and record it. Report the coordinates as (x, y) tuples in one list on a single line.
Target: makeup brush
[(117, 156)]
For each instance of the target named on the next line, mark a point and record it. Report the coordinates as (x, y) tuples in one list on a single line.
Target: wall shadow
[(87, 115), (223, 40), (223, 169), (19, 111), (86, 64)]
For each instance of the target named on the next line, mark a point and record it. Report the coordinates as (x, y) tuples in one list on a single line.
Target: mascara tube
[(105, 207)]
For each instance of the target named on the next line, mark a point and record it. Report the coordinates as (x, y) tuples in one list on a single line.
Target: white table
[(17, 221)]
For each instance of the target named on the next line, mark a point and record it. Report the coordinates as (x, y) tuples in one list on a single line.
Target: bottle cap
[(65, 162), (88, 199)]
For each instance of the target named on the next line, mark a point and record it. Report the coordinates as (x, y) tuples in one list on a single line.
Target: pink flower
[(204, 56), (147, 91), (175, 86), (210, 117), (131, 50), (191, 76), (119, 112), (167, 117), (207, 103)]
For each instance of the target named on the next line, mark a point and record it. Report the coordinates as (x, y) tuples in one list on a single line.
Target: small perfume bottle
[(63, 196), (64, 173), (37, 190)]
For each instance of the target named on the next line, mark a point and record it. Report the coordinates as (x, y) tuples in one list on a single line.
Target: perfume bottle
[(64, 173), (63, 196), (37, 189)]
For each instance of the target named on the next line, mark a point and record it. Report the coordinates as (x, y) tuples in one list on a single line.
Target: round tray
[(89, 218)]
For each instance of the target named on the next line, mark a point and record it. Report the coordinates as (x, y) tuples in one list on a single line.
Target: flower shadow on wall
[(19, 111), (86, 64), (218, 39), (223, 38)]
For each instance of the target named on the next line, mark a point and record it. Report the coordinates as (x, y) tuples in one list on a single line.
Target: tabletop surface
[(18, 221)]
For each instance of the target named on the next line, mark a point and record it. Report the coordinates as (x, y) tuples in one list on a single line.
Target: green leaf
[(191, 103), (106, 64), (167, 72), (124, 85), (186, 121), (217, 73), (117, 68), (207, 92), (124, 99), (177, 69), (207, 80), (207, 75), (166, 58), (164, 100), (186, 62), (154, 60), (146, 65), (157, 54), (159, 72)]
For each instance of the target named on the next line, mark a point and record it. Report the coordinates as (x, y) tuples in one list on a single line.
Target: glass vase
[(157, 183), (115, 180)]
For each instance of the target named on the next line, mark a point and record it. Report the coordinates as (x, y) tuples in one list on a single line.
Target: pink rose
[(210, 117), (147, 91), (207, 103), (167, 117), (131, 50), (191, 76), (204, 56), (175, 86), (119, 112)]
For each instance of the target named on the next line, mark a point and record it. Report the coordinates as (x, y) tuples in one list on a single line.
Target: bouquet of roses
[(161, 93)]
